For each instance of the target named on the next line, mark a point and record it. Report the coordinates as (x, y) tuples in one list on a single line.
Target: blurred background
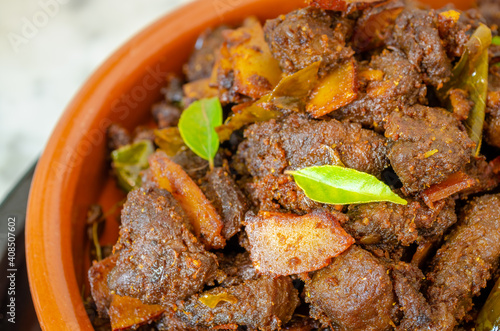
[(48, 48)]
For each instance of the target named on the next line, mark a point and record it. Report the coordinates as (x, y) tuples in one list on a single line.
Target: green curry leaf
[(471, 74), (128, 161), (197, 127), (340, 186)]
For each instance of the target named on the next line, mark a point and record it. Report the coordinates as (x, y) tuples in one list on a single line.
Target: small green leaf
[(197, 127), (341, 186), (471, 74), (496, 41), (128, 161)]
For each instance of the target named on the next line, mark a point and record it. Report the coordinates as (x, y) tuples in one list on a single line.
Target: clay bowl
[(73, 170)]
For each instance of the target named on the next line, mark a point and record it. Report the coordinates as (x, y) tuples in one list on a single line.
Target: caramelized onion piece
[(453, 184), (372, 27), (256, 72), (337, 89), (199, 89), (207, 223), (130, 313), (285, 244)]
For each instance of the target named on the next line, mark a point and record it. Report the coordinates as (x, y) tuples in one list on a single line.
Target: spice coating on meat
[(401, 86), (227, 199), (160, 260), (416, 33), (464, 264), (98, 279), (390, 223), (297, 142), (265, 304), (308, 35), (407, 280), (202, 60), (355, 292), (430, 144)]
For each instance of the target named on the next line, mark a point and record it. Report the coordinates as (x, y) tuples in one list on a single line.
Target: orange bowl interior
[(73, 170)]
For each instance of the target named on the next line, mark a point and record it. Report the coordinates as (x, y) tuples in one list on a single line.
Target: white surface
[(48, 48)]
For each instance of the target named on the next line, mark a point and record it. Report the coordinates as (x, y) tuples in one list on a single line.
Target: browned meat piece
[(407, 280), (354, 292), (98, 279), (416, 33), (192, 164), (400, 86), (301, 323), (452, 31), (264, 304), (237, 268), (490, 9), (390, 223), (297, 142), (202, 60), (173, 90), (308, 35), (464, 264), (117, 136), (227, 199), (165, 114), (171, 322), (483, 173), (160, 260), (143, 133), (430, 144)]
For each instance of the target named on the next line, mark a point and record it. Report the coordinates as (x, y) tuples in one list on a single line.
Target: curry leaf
[(471, 74), (496, 41), (340, 186), (197, 127), (128, 161)]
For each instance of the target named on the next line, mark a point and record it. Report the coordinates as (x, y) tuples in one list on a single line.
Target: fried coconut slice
[(285, 244)]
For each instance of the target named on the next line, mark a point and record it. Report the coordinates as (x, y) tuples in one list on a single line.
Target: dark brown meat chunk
[(385, 222), (453, 33), (297, 142), (160, 260), (192, 164), (354, 292), (308, 35), (237, 268), (173, 90), (400, 87), (98, 279), (483, 173), (407, 280), (143, 133), (464, 264), (227, 199), (202, 60), (430, 144), (416, 33), (117, 136), (165, 114), (265, 304)]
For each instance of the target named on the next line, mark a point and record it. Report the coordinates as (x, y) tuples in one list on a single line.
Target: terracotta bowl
[(73, 170)]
